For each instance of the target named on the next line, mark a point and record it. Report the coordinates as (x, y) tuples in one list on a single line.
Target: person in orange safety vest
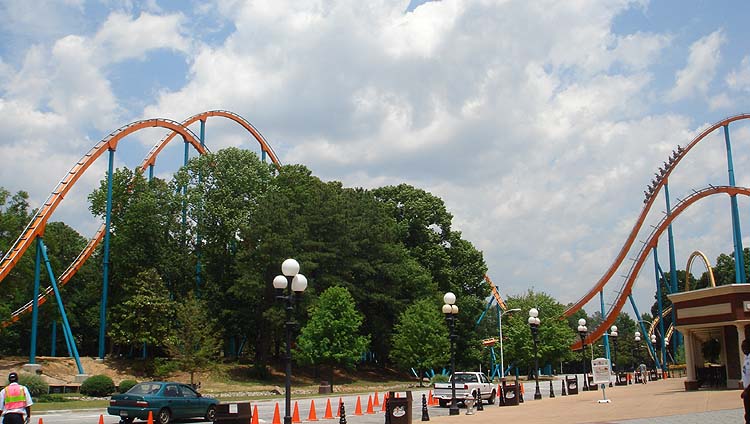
[(15, 401)]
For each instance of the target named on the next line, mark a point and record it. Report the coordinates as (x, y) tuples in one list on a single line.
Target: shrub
[(163, 367), (36, 384), (98, 385), (440, 378), (51, 398), (125, 385)]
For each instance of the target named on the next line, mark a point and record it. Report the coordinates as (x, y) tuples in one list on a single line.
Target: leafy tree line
[(218, 232), (212, 239)]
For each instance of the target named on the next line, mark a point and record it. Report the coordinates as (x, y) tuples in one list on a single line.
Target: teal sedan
[(165, 400)]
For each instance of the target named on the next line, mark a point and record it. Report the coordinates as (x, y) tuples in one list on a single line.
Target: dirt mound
[(64, 370)]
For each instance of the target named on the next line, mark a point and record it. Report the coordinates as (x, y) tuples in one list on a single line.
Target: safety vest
[(15, 397)]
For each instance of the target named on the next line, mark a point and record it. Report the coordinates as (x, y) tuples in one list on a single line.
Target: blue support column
[(263, 156), (66, 325), (739, 257), (606, 333), (198, 239), (643, 330), (662, 353), (184, 189), (53, 344), (150, 172), (35, 303), (105, 260), (676, 340)]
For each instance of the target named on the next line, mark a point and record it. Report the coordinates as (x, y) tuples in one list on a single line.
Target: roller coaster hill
[(613, 291), (33, 233)]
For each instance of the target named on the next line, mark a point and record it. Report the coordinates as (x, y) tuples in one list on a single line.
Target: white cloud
[(720, 101), (121, 37), (694, 78), (739, 79), (536, 122)]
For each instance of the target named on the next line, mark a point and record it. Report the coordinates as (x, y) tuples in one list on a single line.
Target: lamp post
[(613, 334), (451, 310), (653, 343), (500, 326), (636, 349), (534, 322), (582, 331), (297, 283)]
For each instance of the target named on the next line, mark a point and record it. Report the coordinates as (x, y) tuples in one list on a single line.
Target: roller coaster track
[(495, 293), (108, 142), (648, 203), (645, 251)]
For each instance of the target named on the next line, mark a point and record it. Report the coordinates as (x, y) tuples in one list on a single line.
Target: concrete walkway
[(634, 404)]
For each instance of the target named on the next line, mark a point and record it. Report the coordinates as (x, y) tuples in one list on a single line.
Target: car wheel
[(163, 416), (491, 400), (126, 420), (211, 413)]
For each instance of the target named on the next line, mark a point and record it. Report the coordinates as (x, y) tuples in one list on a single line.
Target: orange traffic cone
[(338, 409), (254, 419), (385, 400), (429, 398), (41, 421), (150, 418), (369, 405), (377, 402), (101, 419), (295, 414), (312, 416), (358, 407), (329, 414), (276, 415)]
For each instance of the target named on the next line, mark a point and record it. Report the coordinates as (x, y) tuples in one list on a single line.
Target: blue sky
[(539, 123)]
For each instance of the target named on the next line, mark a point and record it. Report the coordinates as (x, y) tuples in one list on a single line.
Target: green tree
[(196, 339), (331, 335), (555, 335), (146, 313), (420, 338)]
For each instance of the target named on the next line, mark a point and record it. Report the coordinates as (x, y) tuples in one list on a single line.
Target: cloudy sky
[(540, 123)]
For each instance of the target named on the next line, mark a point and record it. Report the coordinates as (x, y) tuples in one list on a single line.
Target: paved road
[(266, 408)]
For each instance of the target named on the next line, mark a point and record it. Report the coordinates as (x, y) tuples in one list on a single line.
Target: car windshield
[(144, 389), (466, 378)]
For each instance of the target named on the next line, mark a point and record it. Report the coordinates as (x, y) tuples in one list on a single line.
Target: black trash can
[(398, 409), (233, 413), (621, 379), (571, 383), (652, 376), (511, 392)]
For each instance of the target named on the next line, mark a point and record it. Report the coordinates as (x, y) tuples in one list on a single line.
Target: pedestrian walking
[(642, 368), (15, 401), (746, 379)]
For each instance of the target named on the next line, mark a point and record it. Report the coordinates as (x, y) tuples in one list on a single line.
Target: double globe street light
[(451, 310), (534, 322), (613, 334), (297, 283), (582, 332)]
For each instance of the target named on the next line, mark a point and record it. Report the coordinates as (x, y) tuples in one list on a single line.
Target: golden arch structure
[(714, 313)]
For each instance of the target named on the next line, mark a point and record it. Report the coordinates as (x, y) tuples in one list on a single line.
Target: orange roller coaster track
[(645, 251), (644, 212), (36, 226)]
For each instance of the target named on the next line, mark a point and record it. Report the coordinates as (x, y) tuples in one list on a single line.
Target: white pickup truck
[(467, 384)]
